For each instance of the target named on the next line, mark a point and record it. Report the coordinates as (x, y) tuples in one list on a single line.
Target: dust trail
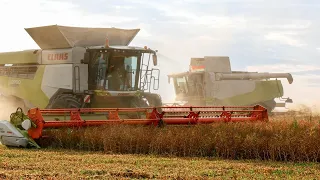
[(168, 66), (7, 107), (167, 59)]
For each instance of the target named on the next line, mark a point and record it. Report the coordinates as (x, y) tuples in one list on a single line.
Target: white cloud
[(224, 1), (292, 25), (123, 7), (206, 38), (46, 12), (176, 10), (285, 68), (221, 21), (284, 38)]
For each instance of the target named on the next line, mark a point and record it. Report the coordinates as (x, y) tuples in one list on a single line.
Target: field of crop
[(286, 147), (68, 164), (282, 139)]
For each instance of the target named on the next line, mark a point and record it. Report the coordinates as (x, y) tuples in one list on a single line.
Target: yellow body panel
[(19, 57), (26, 89)]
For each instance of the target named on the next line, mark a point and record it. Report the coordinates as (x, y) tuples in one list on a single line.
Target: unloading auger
[(23, 130)]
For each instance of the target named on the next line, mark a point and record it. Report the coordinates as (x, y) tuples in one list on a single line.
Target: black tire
[(137, 103), (154, 100), (65, 101)]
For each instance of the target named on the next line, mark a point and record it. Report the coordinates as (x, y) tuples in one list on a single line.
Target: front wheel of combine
[(65, 101), (137, 103), (154, 100)]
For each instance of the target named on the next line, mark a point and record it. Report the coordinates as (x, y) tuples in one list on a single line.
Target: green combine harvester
[(78, 67), (211, 82)]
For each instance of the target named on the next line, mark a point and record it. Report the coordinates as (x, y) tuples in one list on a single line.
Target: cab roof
[(133, 48)]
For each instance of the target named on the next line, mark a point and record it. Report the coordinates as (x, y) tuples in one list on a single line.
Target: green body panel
[(103, 99), (264, 91), (27, 89), (16, 119), (19, 57)]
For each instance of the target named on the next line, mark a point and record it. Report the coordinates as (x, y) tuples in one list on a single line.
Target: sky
[(257, 35)]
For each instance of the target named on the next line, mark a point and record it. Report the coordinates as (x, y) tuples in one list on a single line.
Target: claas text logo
[(58, 56)]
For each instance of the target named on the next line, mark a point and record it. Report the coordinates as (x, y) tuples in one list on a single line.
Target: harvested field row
[(69, 164), (277, 140)]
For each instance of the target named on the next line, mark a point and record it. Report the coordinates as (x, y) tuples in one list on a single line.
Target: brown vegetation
[(294, 138), (70, 164)]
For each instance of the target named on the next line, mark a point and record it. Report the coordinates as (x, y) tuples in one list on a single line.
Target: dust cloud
[(168, 66), (7, 107)]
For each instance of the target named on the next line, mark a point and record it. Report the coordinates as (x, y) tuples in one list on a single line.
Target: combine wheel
[(136, 103), (65, 101), (154, 100)]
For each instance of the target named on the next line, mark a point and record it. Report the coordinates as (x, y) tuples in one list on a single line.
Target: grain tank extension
[(210, 81), (78, 67)]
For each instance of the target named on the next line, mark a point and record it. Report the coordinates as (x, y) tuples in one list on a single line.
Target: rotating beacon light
[(106, 45)]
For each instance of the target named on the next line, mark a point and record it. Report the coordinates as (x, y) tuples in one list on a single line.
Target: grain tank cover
[(58, 37), (210, 64), (217, 64), (197, 64)]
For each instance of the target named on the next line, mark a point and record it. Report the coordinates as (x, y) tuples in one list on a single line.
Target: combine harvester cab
[(211, 82), (78, 67)]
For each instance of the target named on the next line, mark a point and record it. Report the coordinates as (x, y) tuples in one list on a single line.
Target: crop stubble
[(62, 164)]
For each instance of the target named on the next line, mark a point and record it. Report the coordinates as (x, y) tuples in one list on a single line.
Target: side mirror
[(155, 59)]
